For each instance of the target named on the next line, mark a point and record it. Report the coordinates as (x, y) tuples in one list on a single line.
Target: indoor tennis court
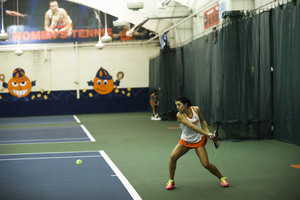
[(128, 86), (37, 130), (140, 149), (54, 175)]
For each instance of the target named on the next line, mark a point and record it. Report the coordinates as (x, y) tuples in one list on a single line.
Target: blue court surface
[(43, 130), (56, 176), (38, 120), (44, 134)]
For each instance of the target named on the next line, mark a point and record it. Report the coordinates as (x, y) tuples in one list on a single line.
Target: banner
[(211, 17), (56, 22)]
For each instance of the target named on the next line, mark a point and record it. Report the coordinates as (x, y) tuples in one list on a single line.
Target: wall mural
[(19, 85), (35, 22), (103, 82)]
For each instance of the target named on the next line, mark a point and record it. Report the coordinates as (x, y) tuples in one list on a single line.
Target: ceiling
[(159, 19)]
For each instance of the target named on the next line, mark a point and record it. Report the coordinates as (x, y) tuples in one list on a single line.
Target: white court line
[(48, 158), (77, 120), (88, 133), (122, 178), (65, 152), (41, 140)]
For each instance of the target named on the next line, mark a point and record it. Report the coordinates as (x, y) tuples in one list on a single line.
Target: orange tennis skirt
[(194, 145)]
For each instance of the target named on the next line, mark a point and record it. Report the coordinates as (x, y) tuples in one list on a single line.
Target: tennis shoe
[(170, 185), (157, 118), (224, 182)]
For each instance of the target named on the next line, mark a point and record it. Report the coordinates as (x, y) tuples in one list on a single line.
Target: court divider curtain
[(286, 60), (231, 80), (166, 77)]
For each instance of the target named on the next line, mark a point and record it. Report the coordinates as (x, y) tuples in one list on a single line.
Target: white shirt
[(188, 134)]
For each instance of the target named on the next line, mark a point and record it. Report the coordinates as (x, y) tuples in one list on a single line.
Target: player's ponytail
[(184, 100)]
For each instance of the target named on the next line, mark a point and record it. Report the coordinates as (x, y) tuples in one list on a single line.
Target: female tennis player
[(154, 104), (194, 136)]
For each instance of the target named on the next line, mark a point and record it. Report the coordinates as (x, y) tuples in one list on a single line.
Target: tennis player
[(58, 21), (194, 136), (154, 104)]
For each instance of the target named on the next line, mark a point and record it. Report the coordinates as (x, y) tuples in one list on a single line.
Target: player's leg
[(153, 109), (177, 152), (202, 154)]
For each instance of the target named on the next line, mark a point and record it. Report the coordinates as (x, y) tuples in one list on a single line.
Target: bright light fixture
[(19, 52), (119, 23), (3, 36), (106, 37), (99, 45), (135, 5)]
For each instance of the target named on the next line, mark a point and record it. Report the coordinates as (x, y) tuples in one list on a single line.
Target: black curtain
[(166, 76), (286, 60), (232, 80)]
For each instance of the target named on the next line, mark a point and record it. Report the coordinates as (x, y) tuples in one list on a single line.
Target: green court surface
[(140, 148)]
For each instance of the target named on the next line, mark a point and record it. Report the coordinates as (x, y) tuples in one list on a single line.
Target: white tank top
[(188, 134)]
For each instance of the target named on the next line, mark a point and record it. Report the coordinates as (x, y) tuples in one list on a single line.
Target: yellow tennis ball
[(78, 162)]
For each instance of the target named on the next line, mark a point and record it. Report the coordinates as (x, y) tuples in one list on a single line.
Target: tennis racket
[(2, 77), (217, 138), (120, 75)]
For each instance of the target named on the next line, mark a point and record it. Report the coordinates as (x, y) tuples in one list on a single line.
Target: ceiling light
[(120, 22), (3, 36), (135, 5), (106, 37), (19, 52), (99, 45)]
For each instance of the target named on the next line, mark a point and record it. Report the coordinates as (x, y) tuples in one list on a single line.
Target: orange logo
[(103, 82), (19, 85)]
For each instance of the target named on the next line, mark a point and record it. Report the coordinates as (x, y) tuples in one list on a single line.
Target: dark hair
[(184, 100)]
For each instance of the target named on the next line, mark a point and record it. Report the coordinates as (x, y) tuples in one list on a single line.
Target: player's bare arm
[(202, 120), (182, 119), (66, 20), (14, 13), (46, 23)]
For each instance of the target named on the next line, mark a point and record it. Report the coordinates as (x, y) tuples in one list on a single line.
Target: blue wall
[(66, 103)]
